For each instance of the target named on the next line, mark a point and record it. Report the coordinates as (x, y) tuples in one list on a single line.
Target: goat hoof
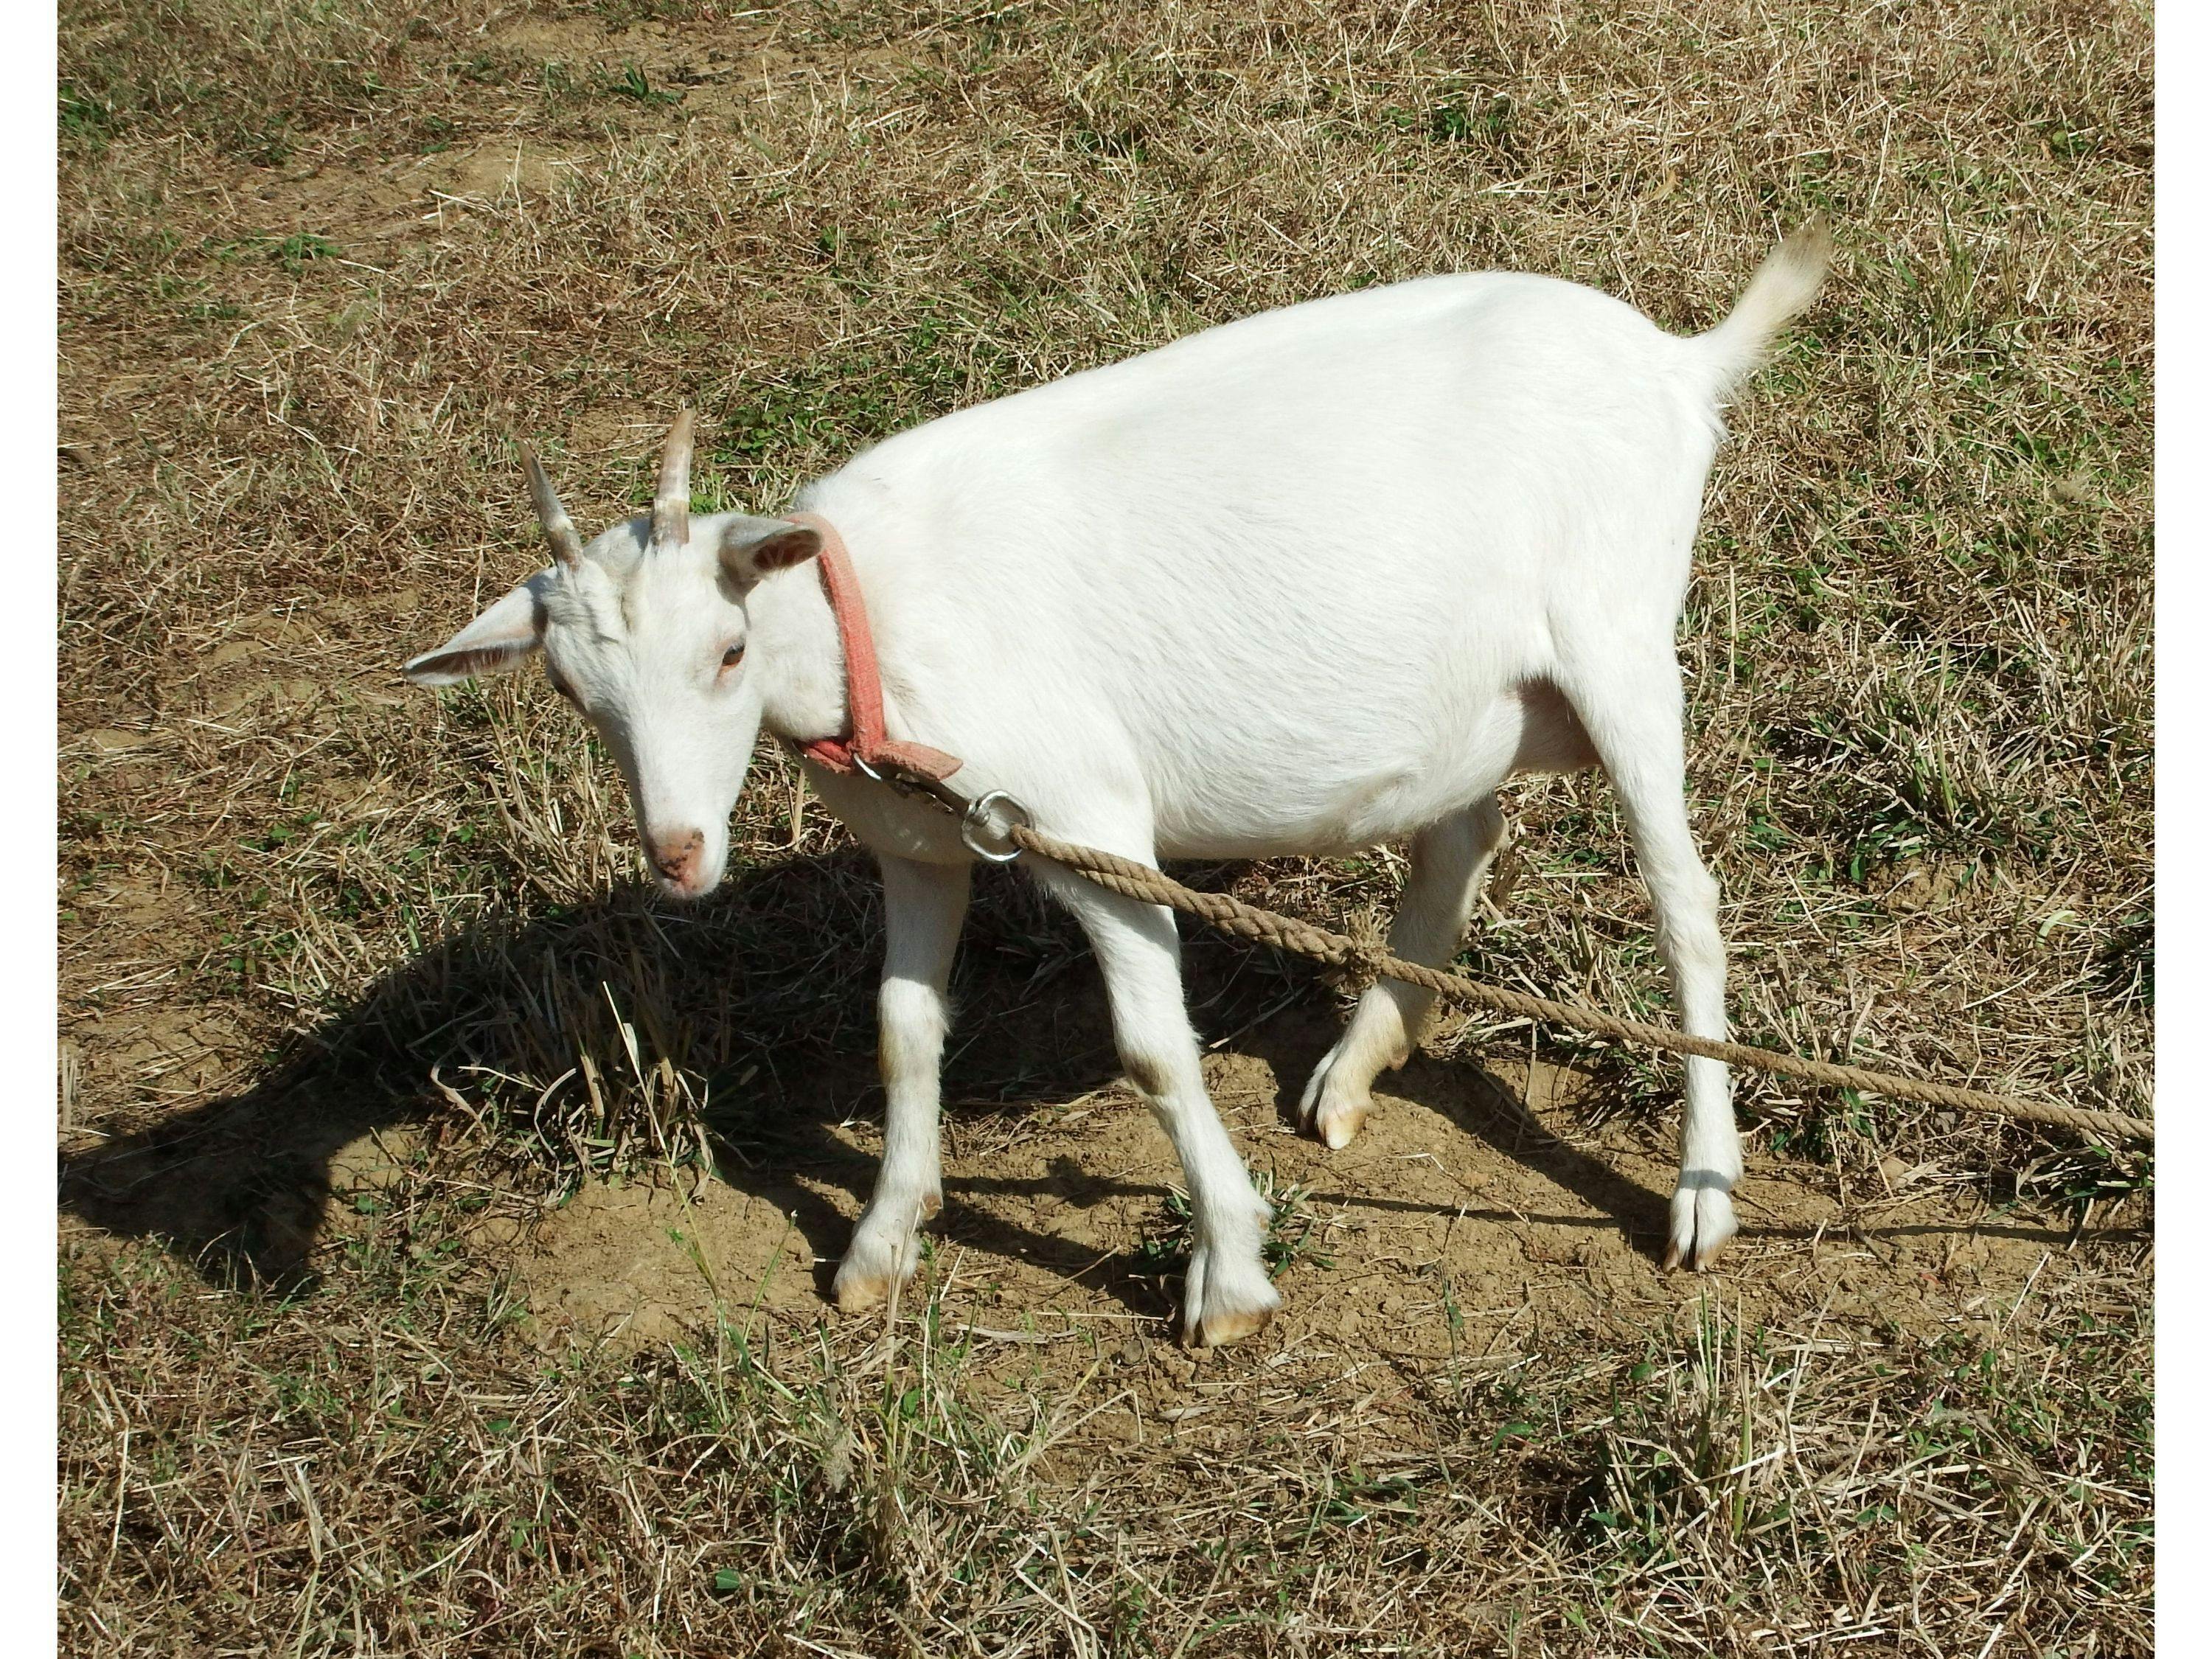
[(1224, 1304), (878, 1261), (1700, 1221), (1337, 1121), (1220, 1330), (858, 1292), (1333, 1108)]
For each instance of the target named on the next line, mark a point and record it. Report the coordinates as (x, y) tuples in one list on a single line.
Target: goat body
[(1315, 579)]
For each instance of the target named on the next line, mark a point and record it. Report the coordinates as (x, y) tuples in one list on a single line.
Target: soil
[(1454, 1228)]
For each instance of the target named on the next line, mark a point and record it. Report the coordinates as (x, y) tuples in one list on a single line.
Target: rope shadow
[(1474, 1100)]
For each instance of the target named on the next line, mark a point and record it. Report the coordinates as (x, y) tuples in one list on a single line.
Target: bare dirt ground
[(1459, 1233), (446, 1224)]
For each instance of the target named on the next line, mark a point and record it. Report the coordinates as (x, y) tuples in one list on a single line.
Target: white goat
[(1300, 584)]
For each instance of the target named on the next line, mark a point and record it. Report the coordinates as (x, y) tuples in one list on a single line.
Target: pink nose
[(677, 857)]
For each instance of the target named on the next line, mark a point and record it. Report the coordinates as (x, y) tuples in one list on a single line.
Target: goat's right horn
[(560, 530)]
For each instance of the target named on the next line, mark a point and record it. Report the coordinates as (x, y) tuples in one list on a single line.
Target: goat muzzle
[(677, 859)]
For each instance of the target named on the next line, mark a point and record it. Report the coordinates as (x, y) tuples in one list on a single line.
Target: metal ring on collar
[(978, 819)]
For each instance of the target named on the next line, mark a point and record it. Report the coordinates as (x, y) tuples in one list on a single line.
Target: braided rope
[(1143, 883)]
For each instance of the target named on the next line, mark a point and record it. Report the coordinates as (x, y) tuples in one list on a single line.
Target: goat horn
[(560, 530), (672, 496)]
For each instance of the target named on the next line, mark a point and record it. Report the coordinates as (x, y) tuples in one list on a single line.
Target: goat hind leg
[(1449, 860), (1638, 732)]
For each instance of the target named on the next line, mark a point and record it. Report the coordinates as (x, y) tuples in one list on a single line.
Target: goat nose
[(677, 860)]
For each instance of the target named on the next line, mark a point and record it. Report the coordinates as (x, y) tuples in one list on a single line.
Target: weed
[(632, 84)]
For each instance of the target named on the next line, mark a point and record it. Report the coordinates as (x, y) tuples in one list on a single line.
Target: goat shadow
[(767, 992)]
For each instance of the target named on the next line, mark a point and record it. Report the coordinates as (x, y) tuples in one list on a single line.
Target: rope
[(1366, 961)]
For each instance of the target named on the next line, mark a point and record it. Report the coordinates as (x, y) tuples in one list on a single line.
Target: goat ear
[(500, 640), (750, 548)]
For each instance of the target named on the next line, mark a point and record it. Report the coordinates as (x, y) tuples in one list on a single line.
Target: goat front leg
[(923, 904), (1227, 1296)]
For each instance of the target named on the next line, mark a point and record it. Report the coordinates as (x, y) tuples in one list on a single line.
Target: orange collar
[(866, 750)]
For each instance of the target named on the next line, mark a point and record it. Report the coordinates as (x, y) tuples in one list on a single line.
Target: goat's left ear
[(500, 639), (750, 548)]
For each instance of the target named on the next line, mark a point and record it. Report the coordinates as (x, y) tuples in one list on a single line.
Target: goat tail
[(1783, 286)]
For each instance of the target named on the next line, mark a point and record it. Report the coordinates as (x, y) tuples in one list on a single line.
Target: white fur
[(1319, 579)]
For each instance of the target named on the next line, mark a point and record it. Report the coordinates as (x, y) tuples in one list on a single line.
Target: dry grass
[(319, 257)]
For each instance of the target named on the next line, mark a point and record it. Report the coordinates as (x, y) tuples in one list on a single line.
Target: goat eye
[(730, 657)]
